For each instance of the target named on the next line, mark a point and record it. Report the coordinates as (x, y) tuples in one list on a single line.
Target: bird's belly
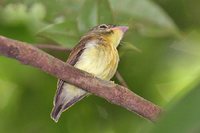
[(99, 62)]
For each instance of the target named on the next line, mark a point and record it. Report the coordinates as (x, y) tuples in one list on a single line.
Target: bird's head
[(108, 32)]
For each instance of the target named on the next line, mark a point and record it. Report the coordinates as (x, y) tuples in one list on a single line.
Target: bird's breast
[(100, 60)]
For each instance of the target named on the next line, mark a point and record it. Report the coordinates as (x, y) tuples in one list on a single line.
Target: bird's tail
[(56, 112), (59, 108), (65, 97)]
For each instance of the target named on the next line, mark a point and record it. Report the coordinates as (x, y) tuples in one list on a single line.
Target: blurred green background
[(159, 60)]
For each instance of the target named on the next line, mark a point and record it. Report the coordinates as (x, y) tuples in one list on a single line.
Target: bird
[(95, 53)]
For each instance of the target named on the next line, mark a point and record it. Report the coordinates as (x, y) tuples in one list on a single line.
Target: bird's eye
[(103, 26)]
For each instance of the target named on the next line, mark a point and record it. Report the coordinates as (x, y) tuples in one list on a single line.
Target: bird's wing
[(72, 59), (59, 104)]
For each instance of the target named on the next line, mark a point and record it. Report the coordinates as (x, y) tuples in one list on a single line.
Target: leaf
[(181, 63), (37, 11), (129, 46), (87, 16), (182, 117), (61, 39), (8, 90), (188, 44), (145, 12), (15, 14), (126, 46), (93, 13), (152, 30), (104, 12), (64, 33)]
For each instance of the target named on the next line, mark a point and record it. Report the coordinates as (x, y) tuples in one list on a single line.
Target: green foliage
[(182, 117), (63, 32), (98, 12), (146, 16), (159, 60)]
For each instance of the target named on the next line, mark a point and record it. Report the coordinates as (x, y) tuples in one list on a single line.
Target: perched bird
[(96, 53)]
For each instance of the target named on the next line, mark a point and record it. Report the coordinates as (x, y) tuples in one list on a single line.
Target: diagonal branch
[(113, 93), (121, 79)]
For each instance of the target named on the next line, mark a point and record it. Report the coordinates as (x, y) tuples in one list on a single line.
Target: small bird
[(95, 53)]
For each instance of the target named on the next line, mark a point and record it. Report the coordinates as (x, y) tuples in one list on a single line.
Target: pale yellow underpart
[(116, 38), (101, 60)]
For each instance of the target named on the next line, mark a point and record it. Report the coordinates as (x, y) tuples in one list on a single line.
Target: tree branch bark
[(113, 93)]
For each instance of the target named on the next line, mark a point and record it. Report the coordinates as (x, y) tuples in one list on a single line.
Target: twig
[(120, 79), (53, 47), (113, 93)]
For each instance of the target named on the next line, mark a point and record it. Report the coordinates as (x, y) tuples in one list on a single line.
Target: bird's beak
[(118, 33), (123, 29)]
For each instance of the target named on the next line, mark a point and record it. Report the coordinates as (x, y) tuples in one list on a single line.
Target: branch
[(121, 79), (113, 93)]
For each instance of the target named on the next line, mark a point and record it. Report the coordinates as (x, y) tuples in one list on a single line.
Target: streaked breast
[(99, 59)]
